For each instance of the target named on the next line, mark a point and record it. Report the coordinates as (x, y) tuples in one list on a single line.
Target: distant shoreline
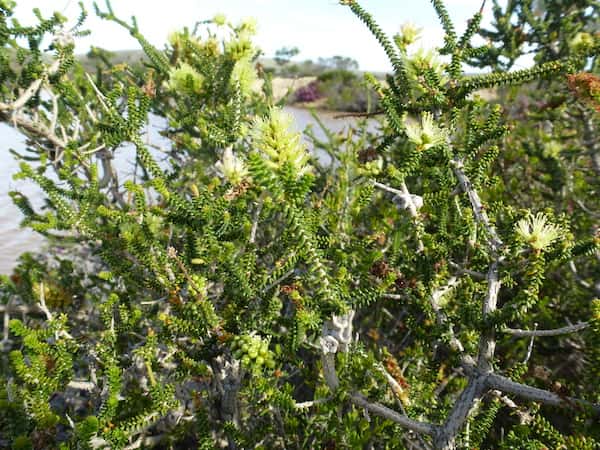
[(282, 83)]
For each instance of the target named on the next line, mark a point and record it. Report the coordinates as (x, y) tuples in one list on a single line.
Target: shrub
[(346, 92), (243, 294), (308, 93)]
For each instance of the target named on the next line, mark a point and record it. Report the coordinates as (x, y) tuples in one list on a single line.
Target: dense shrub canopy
[(430, 284)]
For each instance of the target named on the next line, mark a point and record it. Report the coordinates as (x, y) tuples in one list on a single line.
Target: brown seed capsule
[(367, 154), (380, 269)]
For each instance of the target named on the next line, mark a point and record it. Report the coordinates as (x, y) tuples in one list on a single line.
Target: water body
[(15, 240)]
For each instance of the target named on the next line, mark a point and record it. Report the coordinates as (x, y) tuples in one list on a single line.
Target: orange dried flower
[(586, 87)]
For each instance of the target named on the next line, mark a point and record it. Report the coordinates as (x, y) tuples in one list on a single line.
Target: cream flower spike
[(537, 232), (275, 138)]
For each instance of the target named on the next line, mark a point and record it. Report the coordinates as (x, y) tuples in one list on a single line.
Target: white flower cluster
[(232, 168), (426, 134)]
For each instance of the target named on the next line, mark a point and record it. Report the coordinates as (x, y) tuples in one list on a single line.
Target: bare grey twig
[(508, 386), (553, 332), (406, 200)]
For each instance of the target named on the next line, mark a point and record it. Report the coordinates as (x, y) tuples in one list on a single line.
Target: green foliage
[(235, 290)]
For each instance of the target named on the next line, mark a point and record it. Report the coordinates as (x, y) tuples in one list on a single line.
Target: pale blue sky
[(320, 28)]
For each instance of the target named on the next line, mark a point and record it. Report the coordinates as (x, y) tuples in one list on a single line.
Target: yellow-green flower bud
[(198, 286), (176, 39), (185, 78), (241, 46), (244, 74), (421, 62), (249, 25), (409, 34), (219, 19), (372, 168), (552, 149), (581, 42)]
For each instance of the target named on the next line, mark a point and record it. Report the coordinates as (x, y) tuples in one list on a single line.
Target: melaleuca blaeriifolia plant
[(229, 280)]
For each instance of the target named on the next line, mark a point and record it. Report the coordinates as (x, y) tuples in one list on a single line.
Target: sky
[(319, 28)]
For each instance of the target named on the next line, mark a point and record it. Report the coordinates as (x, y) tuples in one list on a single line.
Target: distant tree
[(339, 62), (285, 54)]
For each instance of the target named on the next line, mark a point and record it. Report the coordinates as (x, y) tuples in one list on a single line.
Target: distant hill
[(133, 57)]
